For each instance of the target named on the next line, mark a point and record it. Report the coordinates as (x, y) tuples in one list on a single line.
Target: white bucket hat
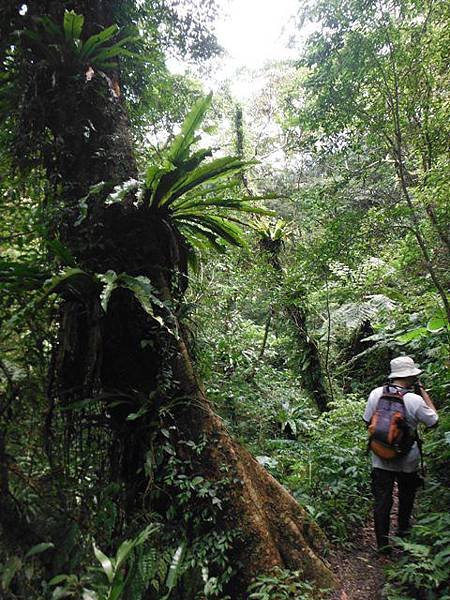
[(403, 366)]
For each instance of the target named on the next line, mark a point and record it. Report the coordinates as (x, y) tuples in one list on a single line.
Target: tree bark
[(311, 374), (275, 530)]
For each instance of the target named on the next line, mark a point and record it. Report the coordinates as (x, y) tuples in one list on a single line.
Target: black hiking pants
[(382, 488)]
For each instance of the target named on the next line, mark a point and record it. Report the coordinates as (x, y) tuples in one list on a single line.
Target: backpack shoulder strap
[(397, 394)]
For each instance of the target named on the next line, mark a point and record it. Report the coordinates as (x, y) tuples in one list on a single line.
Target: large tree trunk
[(273, 529), (102, 356)]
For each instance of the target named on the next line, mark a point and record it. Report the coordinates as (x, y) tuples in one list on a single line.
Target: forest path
[(361, 570)]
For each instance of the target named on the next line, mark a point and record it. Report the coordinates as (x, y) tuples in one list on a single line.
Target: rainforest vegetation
[(198, 293)]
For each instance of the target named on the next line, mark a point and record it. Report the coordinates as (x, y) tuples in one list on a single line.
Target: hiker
[(400, 405)]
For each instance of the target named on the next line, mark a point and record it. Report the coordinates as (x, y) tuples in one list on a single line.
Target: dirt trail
[(361, 569)]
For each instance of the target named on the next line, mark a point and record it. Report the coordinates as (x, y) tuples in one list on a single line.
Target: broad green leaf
[(413, 334), (223, 228), (115, 50), (153, 176), (11, 567), (175, 566), (123, 552), (39, 548), (58, 579), (191, 191), (195, 233), (208, 189), (140, 413), (116, 591), (183, 141), (96, 40), (145, 534), (227, 165), (437, 324), (73, 25), (106, 563), (228, 203)]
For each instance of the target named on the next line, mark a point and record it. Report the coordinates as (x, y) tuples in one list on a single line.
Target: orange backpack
[(389, 434)]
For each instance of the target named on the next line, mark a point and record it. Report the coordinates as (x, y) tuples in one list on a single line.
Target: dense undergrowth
[(322, 458)]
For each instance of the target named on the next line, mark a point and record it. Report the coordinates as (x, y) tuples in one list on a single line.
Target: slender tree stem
[(401, 171), (266, 332)]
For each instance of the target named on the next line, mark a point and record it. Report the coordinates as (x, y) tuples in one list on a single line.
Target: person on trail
[(405, 401)]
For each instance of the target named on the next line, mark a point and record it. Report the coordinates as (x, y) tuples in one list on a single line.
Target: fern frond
[(218, 168), (179, 148), (221, 227), (72, 26), (198, 196)]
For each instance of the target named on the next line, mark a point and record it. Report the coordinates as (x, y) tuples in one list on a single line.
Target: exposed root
[(275, 530)]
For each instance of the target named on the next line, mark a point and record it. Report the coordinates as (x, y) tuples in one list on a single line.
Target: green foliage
[(113, 568), (425, 563), (321, 460), (278, 230), (328, 471), (282, 585), (43, 60), (136, 567), (15, 564), (196, 504), (144, 292), (198, 197), (64, 46), (77, 283), (350, 257)]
